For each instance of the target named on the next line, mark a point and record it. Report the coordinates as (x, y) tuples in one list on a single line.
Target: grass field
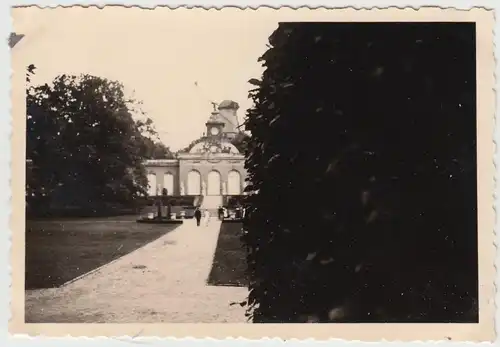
[(229, 264), (59, 251)]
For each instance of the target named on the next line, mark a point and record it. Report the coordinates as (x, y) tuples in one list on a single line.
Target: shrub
[(232, 201), (376, 124)]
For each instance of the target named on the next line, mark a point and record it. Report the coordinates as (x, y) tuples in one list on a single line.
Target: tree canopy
[(363, 161), (84, 142), (157, 150), (240, 141)]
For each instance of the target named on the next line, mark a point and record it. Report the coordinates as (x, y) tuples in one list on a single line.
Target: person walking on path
[(197, 215), (207, 217)]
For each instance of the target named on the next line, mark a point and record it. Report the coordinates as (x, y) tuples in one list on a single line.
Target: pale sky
[(159, 54)]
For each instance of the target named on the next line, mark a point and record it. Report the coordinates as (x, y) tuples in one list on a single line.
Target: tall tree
[(85, 146), (363, 167), (157, 150)]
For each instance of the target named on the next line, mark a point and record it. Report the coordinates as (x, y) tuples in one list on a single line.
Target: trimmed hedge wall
[(375, 125)]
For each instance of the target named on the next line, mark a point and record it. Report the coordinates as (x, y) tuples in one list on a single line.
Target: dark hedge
[(362, 175)]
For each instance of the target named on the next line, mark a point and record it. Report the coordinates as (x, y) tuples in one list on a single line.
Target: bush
[(376, 124), (232, 201)]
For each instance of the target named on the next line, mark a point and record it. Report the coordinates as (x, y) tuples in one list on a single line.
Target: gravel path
[(164, 281)]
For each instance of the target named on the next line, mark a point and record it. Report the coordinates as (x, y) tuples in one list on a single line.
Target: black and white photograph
[(255, 168)]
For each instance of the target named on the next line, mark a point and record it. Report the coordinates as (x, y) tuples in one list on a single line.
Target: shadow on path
[(59, 251), (229, 263)]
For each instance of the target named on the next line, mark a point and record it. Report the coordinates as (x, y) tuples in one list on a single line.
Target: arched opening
[(193, 183), (234, 183), (152, 184), (214, 183), (168, 183)]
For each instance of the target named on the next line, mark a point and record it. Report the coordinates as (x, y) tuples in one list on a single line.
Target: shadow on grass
[(229, 263), (59, 251)]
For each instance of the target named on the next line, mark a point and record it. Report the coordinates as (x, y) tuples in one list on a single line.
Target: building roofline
[(228, 104), (161, 162), (213, 156)]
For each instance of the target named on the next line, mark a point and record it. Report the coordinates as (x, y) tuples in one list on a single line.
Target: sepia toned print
[(229, 173)]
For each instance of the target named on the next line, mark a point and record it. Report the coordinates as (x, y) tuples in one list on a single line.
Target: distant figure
[(221, 212), (207, 217), (197, 215)]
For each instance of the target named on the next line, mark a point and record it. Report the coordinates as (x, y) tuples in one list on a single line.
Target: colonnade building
[(211, 166)]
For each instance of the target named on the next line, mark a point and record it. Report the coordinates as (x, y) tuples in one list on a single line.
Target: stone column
[(203, 188)]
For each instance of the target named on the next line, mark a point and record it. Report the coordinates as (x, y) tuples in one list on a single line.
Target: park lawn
[(229, 264), (59, 251)]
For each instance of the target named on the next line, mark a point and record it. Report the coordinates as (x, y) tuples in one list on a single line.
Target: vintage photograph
[(193, 166)]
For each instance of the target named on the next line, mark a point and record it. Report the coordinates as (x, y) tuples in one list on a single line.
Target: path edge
[(65, 284)]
